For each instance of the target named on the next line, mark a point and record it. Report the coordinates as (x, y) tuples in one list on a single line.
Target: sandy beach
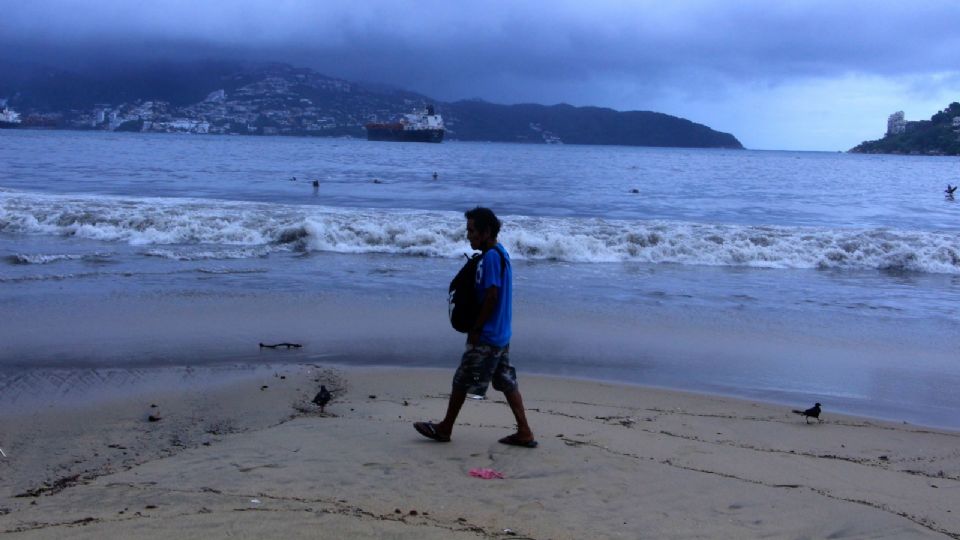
[(247, 455)]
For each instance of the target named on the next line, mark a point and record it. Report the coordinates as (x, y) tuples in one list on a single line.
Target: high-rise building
[(896, 123)]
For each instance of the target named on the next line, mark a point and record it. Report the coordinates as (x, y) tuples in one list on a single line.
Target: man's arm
[(486, 310)]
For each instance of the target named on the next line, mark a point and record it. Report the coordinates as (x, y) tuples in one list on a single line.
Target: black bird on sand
[(812, 412), (322, 397)]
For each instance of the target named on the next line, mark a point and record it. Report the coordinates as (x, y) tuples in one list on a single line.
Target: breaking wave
[(41, 258), (197, 229), (201, 255)]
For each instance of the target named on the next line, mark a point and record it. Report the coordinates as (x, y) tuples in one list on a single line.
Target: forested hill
[(938, 136), (479, 120), (233, 97)]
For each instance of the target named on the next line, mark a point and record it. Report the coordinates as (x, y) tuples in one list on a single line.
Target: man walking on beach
[(486, 358)]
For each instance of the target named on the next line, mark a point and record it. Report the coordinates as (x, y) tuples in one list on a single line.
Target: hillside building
[(896, 123)]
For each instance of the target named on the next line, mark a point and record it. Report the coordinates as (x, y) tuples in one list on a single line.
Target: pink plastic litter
[(486, 474)]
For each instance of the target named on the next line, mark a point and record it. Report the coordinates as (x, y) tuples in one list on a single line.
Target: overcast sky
[(798, 75)]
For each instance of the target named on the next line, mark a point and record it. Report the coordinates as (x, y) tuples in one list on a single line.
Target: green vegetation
[(134, 126), (936, 136), (477, 120)]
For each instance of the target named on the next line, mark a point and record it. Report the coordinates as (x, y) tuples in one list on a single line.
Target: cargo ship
[(9, 118), (420, 126)]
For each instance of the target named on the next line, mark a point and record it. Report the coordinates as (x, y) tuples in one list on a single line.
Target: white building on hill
[(896, 124)]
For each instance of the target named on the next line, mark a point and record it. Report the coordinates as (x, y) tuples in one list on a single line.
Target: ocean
[(789, 277)]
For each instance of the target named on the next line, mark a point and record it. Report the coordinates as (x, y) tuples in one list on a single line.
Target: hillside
[(478, 120), (938, 136), (278, 99)]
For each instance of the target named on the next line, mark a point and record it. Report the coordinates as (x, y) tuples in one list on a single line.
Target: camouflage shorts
[(482, 364)]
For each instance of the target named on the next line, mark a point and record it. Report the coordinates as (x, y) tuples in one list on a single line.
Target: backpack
[(462, 304)]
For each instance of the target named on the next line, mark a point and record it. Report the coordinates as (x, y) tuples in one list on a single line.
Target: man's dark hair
[(484, 220)]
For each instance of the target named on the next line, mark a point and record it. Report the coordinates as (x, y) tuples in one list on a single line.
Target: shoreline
[(109, 377), (846, 363), (695, 465)]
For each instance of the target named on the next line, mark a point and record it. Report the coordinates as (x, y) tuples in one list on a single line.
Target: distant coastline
[(939, 136), (279, 99)]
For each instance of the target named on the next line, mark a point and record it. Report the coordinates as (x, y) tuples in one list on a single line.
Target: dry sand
[(235, 459)]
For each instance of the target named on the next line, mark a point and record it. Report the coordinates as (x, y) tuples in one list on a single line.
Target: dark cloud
[(433, 41)]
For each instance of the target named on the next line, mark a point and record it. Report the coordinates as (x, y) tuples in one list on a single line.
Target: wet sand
[(243, 453)]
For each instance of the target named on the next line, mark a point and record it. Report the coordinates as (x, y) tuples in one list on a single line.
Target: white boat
[(9, 118)]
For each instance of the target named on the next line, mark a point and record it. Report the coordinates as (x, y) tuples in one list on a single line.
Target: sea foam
[(198, 229)]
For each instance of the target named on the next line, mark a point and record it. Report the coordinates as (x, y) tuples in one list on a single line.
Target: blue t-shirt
[(496, 331)]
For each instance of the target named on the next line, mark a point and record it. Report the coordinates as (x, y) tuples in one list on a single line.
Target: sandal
[(429, 430), (513, 440)]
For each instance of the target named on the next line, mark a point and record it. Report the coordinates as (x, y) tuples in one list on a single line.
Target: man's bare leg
[(515, 400), (457, 397)]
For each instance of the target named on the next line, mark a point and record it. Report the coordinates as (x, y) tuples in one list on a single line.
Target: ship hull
[(9, 125), (404, 135)]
